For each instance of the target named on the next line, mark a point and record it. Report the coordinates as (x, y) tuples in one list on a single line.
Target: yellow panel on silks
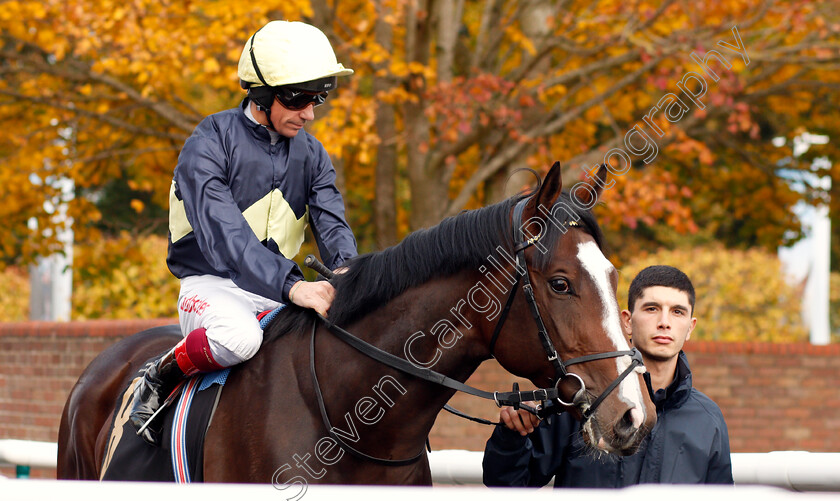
[(270, 217), (179, 226)]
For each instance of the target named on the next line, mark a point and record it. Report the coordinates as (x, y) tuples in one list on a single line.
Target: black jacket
[(689, 444)]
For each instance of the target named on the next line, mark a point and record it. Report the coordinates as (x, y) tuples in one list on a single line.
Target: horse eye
[(560, 285)]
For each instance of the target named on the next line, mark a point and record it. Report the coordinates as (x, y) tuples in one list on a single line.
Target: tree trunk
[(429, 192), (385, 196), (504, 183)]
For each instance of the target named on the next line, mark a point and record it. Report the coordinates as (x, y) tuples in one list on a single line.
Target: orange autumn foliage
[(448, 99)]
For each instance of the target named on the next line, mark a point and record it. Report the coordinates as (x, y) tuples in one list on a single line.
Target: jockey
[(247, 182)]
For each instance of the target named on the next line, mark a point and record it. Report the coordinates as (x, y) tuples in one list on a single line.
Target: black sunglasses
[(297, 100)]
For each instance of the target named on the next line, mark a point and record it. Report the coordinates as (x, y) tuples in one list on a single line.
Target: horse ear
[(549, 191), (597, 183), (539, 206)]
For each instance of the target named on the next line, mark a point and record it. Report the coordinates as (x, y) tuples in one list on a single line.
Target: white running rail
[(64, 490), (793, 470), (26, 453)]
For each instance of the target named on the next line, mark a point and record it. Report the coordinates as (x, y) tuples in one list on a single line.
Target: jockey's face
[(289, 122)]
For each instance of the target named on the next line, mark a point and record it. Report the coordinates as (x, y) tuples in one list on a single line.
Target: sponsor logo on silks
[(193, 304)]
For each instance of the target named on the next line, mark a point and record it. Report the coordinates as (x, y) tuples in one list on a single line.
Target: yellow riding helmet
[(285, 53)]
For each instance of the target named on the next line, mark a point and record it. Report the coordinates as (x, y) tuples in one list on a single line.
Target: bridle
[(561, 372), (512, 398)]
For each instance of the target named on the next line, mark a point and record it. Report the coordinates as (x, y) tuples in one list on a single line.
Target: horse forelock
[(562, 218)]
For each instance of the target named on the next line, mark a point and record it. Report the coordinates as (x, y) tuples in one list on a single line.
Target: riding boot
[(162, 377)]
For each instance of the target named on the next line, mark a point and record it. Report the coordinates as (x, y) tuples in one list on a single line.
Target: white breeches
[(227, 312)]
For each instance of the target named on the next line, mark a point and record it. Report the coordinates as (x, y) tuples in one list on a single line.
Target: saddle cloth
[(180, 457), (181, 453)]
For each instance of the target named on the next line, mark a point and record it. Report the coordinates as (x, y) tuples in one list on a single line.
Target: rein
[(512, 398), (322, 406)]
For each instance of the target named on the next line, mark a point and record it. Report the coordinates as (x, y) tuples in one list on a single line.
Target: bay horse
[(309, 408)]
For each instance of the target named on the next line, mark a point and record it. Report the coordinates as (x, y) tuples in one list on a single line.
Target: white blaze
[(599, 268)]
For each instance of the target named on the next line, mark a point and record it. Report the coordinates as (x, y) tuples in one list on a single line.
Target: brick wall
[(774, 396), (39, 364)]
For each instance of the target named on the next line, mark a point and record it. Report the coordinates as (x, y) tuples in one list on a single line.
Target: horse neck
[(419, 325)]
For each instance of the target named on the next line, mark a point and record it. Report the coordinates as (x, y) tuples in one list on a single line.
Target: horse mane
[(459, 242)]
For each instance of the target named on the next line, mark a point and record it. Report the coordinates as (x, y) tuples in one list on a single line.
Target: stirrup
[(171, 398)]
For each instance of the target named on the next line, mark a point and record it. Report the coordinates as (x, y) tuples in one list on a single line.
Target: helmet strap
[(263, 97), (254, 59), (260, 98), (267, 112)]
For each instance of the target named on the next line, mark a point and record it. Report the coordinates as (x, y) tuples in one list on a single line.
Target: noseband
[(561, 372)]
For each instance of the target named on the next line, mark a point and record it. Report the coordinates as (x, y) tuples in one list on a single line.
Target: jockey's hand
[(522, 421), (315, 295)]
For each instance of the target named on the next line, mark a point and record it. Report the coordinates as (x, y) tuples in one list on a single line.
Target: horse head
[(574, 305)]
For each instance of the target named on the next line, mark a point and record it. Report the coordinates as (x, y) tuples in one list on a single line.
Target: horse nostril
[(627, 431), (630, 422), (636, 417), (625, 427)]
